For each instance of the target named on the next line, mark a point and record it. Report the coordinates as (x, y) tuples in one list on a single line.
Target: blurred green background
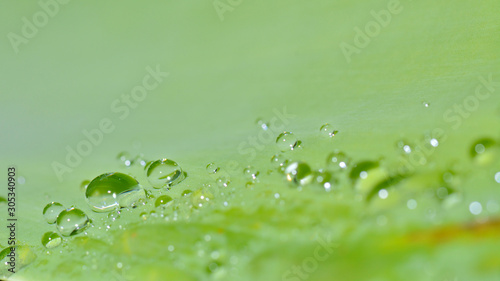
[(226, 71)]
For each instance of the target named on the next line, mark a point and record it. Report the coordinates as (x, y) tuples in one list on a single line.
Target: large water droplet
[(164, 173), (286, 141), (328, 130), (299, 172), (163, 200), (51, 239), (24, 255), (51, 211), (72, 221), (111, 191)]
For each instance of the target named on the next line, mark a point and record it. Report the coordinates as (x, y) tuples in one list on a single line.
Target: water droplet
[(434, 142), (262, 124), (369, 178), (483, 152), (72, 221), (163, 200), (201, 197), (24, 256), (186, 192), (223, 181), (51, 240), (125, 158), (324, 179), (250, 173), (361, 169), (286, 141), (338, 159), (140, 160), (328, 130), (84, 184), (426, 104), (497, 177), (51, 211), (212, 168), (111, 191), (383, 194), (404, 146), (475, 208), (279, 161), (164, 173), (411, 204), (299, 172), (144, 215), (114, 215)]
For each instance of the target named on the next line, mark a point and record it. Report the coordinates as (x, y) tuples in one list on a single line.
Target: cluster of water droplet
[(374, 181), (69, 222)]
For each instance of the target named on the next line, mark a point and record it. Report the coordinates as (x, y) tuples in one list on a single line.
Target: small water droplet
[(497, 177), (223, 181), (411, 204), (286, 141), (212, 168), (72, 221), (383, 194), (164, 173), (328, 130), (262, 124), (404, 146), (483, 151), (51, 240), (51, 211), (186, 192), (163, 200), (338, 160), (125, 158), (426, 104), (279, 162), (299, 172), (250, 173), (475, 208), (324, 179), (111, 191), (434, 142), (114, 215), (84, 184)]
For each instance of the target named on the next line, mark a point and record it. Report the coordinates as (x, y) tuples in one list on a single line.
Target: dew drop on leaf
[(72, 221), (111, 191), (51, 211)]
